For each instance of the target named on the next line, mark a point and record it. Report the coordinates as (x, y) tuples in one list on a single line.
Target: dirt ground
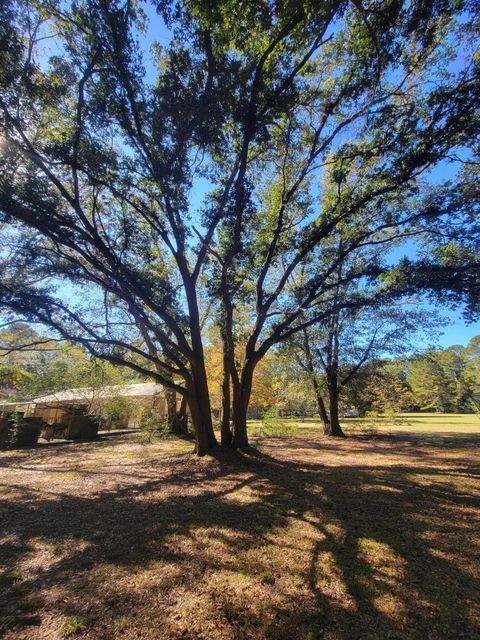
[(306, 538)]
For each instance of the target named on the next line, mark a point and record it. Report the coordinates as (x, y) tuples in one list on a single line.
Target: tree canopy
[(32, 364)]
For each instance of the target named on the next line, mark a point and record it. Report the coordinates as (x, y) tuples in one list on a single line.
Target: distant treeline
[(443, 380)]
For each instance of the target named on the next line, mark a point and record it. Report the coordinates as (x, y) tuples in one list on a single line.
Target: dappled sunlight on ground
[(304, 538)]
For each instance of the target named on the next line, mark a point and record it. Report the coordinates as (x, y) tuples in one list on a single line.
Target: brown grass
[(307, 539)]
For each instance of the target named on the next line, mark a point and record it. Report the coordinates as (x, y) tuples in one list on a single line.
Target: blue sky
[(458, 332)]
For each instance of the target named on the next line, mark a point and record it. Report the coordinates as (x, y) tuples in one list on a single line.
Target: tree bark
[(171, 400), (225, 429), (199, 404), (322, 410), (182, 418), (335, 428), (198, 394), (241, 398), (205, 440), (240, 406), (176, 420)]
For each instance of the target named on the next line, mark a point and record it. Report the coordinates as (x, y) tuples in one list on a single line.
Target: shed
[(140, 398)]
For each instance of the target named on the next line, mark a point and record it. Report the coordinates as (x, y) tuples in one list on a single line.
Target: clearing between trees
[(306, 538)]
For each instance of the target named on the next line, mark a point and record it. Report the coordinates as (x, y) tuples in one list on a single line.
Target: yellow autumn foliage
[(263, 390)]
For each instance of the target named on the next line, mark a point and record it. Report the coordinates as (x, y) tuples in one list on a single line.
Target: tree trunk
[(225, 429), (198, 395), (171, 400), (199, 405), (181, 419), (240, 406), (335, 428), (322, 410), (176, 420), (204, 440), (241, 399)]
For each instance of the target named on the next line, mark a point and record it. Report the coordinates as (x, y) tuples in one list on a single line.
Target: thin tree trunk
[(182, 419), (171, 401), (335, 428), (176, 420), (225, 429), (322, 411)]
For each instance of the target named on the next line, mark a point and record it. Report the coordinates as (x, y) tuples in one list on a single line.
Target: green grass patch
[(72, 626)]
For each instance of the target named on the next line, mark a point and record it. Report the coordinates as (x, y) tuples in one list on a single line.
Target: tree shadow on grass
[(254, 546)]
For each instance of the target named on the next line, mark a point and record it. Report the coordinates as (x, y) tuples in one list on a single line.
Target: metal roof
[(139, 390)]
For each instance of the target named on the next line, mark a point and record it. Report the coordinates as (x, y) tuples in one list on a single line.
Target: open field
[(407, 424), (306, 538), (421, 424)]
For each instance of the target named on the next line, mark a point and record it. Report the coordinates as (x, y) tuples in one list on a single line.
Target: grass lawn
[(308, 538)]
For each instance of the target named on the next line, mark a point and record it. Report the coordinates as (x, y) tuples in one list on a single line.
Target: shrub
[(116, 411), (153, 428), (272, 425), (12, 432), (370, 428)]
